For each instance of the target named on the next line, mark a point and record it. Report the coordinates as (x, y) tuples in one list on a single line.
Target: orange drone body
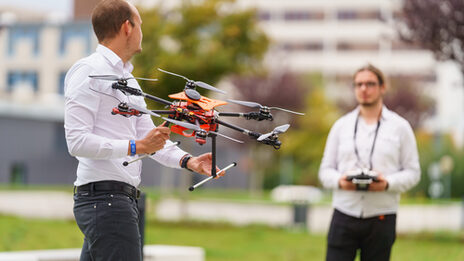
[(205, 103), (206, 114)]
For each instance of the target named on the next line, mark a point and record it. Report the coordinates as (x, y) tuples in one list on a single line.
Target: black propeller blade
[(197, 83), (257, 105), (277, 130), (117, 78)]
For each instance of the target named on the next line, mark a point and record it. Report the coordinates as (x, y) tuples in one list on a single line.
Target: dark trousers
[(110, 224), (373, 236)]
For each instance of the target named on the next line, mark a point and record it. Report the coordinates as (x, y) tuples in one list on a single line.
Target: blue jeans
[(109, 222)]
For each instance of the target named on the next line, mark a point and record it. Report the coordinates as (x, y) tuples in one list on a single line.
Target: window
[(17, 78), (344, 46), (302, 46), (264, 16), (297, 15), (80, 31), (346, 15), (359, 15), (402, 46), (23, 32)]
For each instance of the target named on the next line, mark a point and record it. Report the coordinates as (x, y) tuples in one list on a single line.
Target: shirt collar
[(385, 114), (113, 58)]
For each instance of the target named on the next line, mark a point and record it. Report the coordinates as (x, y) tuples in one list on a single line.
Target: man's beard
[(369, 104)]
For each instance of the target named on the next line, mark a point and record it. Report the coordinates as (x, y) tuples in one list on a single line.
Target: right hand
[(154, 141), (345, 184)]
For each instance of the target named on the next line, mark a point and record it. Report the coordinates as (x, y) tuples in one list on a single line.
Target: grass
[(223, 242), (154, 194)]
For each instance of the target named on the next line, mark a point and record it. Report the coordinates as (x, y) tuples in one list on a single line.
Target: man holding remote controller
[(369, 159)]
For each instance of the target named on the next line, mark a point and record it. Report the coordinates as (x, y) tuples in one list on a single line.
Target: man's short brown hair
[(108, 16), (374, 70)]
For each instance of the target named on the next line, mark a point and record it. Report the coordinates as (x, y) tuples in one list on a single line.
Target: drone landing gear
[(192, 188), (213, 164)]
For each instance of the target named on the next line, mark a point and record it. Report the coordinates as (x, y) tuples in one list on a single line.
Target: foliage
[(306, 144), (274, 89), (437, 26), (432, 148), (405, 98), (202, 40)]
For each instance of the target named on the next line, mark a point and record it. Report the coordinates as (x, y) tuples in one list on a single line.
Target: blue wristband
[(132, 147)]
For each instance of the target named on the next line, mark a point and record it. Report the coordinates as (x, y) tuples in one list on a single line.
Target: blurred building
[(336, 37), (329, 37), (36, 50)]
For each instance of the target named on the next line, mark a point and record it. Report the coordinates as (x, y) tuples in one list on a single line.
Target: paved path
[(411, 218)]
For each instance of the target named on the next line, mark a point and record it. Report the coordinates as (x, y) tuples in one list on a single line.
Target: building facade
[(329, 37)]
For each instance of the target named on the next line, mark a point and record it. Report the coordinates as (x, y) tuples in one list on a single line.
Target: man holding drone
[(369, 159), (106, 191)]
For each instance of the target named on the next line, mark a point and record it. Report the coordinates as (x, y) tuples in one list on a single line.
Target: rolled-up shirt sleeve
[(81, 107), (409, 174), (328, 172)]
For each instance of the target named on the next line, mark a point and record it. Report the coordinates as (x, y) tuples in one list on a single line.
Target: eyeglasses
[(367, 84)]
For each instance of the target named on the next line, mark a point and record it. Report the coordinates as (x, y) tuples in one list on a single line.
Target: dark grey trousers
[(373, 236), (109, 222)]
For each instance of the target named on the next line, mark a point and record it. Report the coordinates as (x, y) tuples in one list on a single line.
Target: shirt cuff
[(120, 148), (391, 183)]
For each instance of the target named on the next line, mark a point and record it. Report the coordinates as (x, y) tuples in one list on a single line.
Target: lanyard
[(373, 143)]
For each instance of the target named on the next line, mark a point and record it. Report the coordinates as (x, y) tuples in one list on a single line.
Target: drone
[(194, 115)]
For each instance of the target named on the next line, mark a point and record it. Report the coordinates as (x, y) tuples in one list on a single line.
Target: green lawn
[(225, 242)]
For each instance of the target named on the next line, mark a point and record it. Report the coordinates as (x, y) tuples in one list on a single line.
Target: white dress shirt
[(395, 156), (98, 139)]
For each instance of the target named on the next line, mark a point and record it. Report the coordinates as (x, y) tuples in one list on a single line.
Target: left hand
[(380, 184), (202, 164)]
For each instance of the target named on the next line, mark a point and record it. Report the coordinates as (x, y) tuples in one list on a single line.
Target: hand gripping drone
[(193, 115)]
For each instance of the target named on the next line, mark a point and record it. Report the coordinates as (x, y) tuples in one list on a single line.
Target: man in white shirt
[(106, 191), (370, 138)]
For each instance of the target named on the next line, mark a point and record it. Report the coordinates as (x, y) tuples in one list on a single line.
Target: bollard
[(462, 214), (141, 204), (300, 214)]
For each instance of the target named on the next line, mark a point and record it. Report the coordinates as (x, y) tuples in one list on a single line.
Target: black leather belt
[(109, 186)]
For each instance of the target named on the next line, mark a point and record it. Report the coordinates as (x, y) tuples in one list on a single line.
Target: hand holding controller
[(362, 178)]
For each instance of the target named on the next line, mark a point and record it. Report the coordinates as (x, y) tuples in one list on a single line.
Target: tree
[(202, 40), (306, 143), (437, 26), (277, 89)]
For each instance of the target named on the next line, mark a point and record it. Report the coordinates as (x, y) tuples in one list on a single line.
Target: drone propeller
[(197, 83), (257, 105), (277, 130), (141, 109), (180, 123), (197, 128), (117, 78)]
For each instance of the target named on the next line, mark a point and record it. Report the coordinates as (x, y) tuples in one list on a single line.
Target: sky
[(54, 6)]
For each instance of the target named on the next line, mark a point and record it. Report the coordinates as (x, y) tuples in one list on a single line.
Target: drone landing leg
[(192, 188), (213, 156)]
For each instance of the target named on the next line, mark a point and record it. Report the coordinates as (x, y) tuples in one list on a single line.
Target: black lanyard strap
[(373, 143)]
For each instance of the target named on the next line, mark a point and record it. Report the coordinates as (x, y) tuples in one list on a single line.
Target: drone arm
[(164, 112), (252, 134), (137, 92), (249, 115), (156, 99), (231, 114)]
